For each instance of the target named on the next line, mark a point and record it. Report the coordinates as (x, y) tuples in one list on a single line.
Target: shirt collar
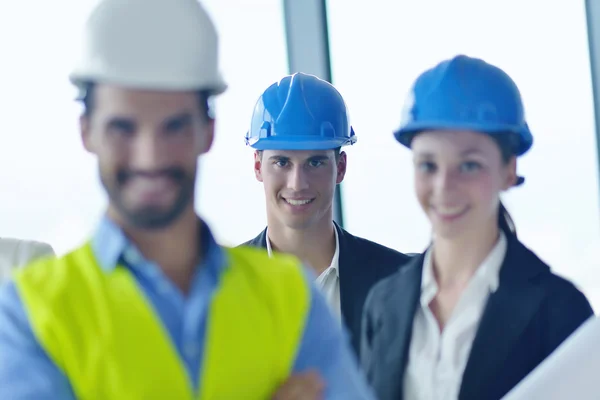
[(269, 248), (111, 248), (488, 272), (335, 261)]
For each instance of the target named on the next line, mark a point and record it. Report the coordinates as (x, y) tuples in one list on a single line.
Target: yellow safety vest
[(102, 333)]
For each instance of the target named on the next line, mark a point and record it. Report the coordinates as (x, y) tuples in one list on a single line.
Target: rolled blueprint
[(570, 372)]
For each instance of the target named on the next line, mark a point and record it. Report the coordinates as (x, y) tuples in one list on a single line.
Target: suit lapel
[(350, 276), (395, 331), (507, 314)]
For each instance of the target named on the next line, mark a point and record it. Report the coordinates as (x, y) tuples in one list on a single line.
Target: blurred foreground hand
[(304, 386)]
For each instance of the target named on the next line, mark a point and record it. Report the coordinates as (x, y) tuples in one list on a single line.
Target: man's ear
[(341, 167), (209, 136), (511, 176), (84, 129), (258, 165)]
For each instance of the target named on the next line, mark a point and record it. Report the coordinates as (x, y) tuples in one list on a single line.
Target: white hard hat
[(150, 44)]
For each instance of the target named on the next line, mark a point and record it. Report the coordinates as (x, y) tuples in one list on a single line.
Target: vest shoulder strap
[(274, 292)]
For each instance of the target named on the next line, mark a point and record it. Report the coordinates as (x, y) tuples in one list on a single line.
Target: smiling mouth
[(151, 188), (298, 202), (450, 212)]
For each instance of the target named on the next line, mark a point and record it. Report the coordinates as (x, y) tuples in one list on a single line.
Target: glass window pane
[(254, 55), (374, 64), (50, 189)]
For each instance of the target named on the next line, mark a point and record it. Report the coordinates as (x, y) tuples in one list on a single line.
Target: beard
[(150, 217)]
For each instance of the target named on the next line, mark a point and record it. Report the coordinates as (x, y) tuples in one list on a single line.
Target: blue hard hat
[(466, 93), (300, 112)]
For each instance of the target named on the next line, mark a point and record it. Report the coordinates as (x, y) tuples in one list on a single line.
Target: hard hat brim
[(405, 134), (299, 143), (82, 80)]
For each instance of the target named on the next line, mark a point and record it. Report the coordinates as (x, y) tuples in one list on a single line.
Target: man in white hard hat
[(151, 307), (15, 253)]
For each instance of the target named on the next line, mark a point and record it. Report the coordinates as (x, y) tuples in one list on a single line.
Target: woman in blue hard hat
[(477, 311)]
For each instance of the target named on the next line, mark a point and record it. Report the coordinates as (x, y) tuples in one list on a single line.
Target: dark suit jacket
[(528, 316), (362, 263)]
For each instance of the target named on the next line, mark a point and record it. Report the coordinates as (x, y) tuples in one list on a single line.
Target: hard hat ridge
[(465, 93), (150, 44), (300, 112)]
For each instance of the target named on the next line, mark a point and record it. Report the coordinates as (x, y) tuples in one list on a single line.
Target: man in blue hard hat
[(298, 128)]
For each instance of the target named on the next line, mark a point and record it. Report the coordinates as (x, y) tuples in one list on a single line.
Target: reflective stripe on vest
[(101, 332)]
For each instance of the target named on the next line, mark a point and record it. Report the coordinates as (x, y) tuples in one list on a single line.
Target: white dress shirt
[(437, 360), (329, 280)]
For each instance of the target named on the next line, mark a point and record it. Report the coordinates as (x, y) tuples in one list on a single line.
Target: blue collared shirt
[(27, 373)]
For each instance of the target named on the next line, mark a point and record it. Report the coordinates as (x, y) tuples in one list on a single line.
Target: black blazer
[(529, 315), (362, 263)]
